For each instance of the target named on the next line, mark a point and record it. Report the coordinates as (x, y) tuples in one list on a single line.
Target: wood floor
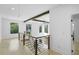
[(15, 47)]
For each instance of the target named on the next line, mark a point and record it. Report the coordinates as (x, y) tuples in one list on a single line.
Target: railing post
[(24, 39), (18, 36), (29, 35), (36, 46), (49, 42)]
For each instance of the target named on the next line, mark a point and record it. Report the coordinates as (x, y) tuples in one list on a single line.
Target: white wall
[(0, 28), (60, 27), (6, 28)]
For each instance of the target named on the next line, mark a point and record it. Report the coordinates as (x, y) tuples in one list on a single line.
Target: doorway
[(75, 34)]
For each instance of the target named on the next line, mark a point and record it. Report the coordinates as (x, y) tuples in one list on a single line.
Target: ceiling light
[(12, 8)]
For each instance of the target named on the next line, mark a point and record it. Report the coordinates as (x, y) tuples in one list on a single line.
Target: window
[(46, 28), (40, 29), (28, 28), (14, 28)]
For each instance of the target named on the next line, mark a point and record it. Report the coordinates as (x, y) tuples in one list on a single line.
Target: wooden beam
[(46, 12), (40, 21)]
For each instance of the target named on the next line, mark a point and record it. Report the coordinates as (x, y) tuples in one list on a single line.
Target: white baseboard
[(9, 38)]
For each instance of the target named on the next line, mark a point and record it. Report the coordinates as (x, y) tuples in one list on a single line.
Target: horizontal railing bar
[(40, 36)]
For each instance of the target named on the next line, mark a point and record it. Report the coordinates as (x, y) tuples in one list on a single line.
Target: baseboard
[(9, 38)]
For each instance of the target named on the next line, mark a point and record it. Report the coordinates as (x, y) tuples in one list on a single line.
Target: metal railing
[(38, 45)]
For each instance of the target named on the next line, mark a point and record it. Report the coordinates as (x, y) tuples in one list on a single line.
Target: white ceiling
[(23, 11), (44, 17)]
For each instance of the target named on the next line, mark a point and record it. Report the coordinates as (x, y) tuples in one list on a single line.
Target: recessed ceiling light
[(12, 8)]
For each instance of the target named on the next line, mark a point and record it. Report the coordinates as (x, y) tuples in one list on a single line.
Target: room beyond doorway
[(75, 34)]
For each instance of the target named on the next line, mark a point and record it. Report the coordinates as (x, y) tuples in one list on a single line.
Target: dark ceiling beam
[(46, 12), (40, 21)]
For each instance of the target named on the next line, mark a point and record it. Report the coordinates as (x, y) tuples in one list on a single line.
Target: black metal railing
[(37, 45)]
